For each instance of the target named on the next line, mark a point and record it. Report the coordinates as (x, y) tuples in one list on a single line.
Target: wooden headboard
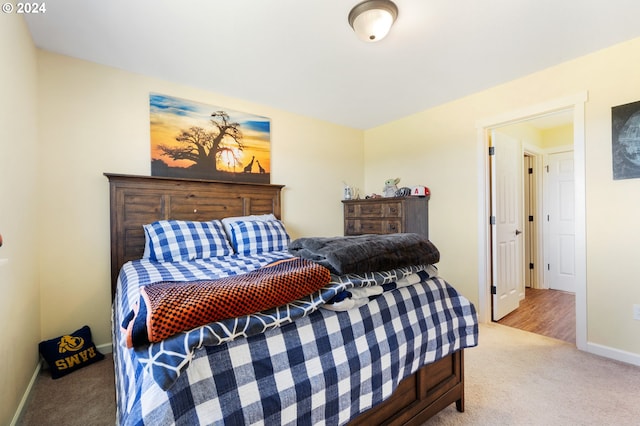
[(138, 200)]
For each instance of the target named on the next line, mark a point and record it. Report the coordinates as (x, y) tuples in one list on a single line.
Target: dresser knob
[(195, 210)]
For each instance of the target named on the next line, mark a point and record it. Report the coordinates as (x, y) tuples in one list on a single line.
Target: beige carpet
[(518, 378), (85, 397), (512, 378)]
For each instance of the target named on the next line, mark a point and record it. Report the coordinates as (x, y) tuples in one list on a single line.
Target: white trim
[(532, 111), (484, 249), (580, 173), (558, 149), (612, 353), (577, 103), (25, 397), (105, 348)]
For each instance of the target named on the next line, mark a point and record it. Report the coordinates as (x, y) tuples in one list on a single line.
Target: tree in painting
[(189, 141), (205, 148)]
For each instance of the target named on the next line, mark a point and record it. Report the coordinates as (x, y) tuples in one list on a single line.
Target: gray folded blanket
[(366, 253)]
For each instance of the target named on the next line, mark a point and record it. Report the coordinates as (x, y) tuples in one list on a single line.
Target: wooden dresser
[(387, 215)]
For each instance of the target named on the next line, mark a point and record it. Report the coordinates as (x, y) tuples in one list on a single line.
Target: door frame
[(538, 213), (576, 103)]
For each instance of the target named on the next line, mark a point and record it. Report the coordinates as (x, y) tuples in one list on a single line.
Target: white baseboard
[(105, 348), (27, 394), (616, 354)]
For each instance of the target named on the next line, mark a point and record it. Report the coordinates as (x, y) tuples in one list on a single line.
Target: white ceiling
[(302, 56)]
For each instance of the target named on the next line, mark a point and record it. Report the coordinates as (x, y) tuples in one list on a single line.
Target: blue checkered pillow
[(179, 240), (257, 236)]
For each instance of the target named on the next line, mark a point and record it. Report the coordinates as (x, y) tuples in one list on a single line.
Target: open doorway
[(576, 102), (554, 311), (541, 195)]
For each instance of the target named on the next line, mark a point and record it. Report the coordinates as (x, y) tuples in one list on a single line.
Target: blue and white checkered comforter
[(325, 367)]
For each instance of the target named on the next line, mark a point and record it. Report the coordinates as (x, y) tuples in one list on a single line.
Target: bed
[(395, 359)]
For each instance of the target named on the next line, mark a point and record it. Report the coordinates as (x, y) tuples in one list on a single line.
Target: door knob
[(518, 232)]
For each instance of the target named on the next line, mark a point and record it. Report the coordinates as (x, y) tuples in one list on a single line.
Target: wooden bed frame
[(138, 200)]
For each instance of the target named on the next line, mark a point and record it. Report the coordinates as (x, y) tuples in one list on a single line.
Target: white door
[(507, 238), (561, 266)]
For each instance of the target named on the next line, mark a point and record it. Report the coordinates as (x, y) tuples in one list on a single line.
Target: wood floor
[(551, 313)]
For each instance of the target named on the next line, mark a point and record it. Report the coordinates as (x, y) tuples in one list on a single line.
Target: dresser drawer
[(373, 226), (376, 210), (386, 216)]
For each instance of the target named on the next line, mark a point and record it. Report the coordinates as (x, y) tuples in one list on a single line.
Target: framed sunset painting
[(198, 141)]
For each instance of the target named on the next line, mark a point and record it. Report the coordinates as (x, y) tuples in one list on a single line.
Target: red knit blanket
[(171, 307)]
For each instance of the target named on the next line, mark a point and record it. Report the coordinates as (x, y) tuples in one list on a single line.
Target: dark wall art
[(625, 129)]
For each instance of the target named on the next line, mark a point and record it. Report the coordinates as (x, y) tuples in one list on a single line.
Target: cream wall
[(526, 133), (20, 303), (95, 119), (557, 136), (439, 148)]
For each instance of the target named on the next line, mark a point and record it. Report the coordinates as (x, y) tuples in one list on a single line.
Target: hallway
[(551, 313)]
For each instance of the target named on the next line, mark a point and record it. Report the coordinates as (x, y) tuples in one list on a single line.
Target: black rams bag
[(68, 353)]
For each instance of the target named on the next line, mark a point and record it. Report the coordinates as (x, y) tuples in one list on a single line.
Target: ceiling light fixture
[(372, 19)]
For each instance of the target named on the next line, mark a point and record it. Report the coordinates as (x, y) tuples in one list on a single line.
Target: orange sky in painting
[(167, 136), (166, 125)]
